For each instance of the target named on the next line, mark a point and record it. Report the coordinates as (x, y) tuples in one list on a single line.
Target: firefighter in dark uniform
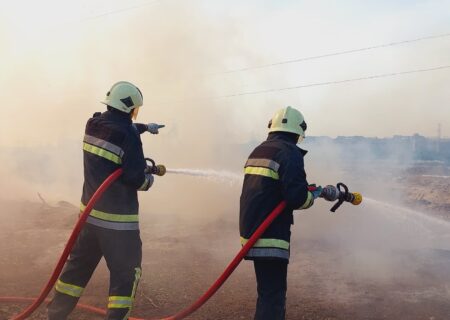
[(111, 141), (274, 172)]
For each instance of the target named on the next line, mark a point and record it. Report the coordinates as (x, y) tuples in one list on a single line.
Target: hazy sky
[(58, 58)]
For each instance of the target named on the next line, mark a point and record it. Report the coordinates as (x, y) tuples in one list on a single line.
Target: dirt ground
[(338, 271), (428, 189)]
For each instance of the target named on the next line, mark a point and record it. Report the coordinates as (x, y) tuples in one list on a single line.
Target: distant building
[(400, 148)]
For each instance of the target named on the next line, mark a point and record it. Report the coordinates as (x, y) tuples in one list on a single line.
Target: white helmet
[(124, 96), (288, 120)]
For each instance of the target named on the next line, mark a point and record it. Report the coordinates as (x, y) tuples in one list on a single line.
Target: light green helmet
[(124, 96), (288, 120)]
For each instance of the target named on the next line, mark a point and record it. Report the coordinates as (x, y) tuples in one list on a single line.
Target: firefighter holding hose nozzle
[(274, 172), (111, 141)]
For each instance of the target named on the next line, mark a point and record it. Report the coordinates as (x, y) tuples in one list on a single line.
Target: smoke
[(53, 86), (53, 77), (378, 244)]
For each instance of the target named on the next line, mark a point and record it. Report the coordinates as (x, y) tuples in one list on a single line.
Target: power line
[(316, 84), (338, 53), (104, 14), (101, 15)]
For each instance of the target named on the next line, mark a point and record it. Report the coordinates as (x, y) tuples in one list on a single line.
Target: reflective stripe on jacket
[(111, 142), (273, 172)]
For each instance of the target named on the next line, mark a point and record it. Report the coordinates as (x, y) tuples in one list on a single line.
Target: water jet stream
[(215, 175)]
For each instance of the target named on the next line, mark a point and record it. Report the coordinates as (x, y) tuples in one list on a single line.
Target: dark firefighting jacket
[(112, 142), (273, 172)]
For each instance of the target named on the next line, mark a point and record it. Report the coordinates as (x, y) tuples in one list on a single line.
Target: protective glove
[(316, 191), (153, 128)]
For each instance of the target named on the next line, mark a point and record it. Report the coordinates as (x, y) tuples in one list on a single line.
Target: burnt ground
[(338, 271)]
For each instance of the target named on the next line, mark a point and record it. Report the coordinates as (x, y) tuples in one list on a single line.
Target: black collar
[(285, 136), (288, 137), (118, 116)]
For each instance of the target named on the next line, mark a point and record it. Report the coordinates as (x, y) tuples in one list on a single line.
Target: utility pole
[(439, 136)]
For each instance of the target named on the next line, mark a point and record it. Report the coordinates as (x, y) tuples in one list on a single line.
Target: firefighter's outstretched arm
[(153, 128)]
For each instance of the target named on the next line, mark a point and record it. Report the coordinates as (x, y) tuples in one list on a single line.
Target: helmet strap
[(134, 113)]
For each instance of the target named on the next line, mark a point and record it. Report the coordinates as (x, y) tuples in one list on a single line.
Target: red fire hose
[(73, 237), (233, 264), (180, 315)]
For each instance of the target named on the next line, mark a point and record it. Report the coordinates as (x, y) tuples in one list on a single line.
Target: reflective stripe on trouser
[(123, 258), (69, 289), (118, 302), (268, 248), (123, 255), (78, 270), (121, 305), (112, 221)]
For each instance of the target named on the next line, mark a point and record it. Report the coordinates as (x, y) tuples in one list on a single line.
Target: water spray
[(209, 174), (340, 193)]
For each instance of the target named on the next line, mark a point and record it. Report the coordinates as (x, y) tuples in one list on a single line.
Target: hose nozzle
[(357, 198), (159, 169), (341, 194)]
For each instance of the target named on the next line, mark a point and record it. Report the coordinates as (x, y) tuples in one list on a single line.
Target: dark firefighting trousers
[(123, 254), (271, 279)]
